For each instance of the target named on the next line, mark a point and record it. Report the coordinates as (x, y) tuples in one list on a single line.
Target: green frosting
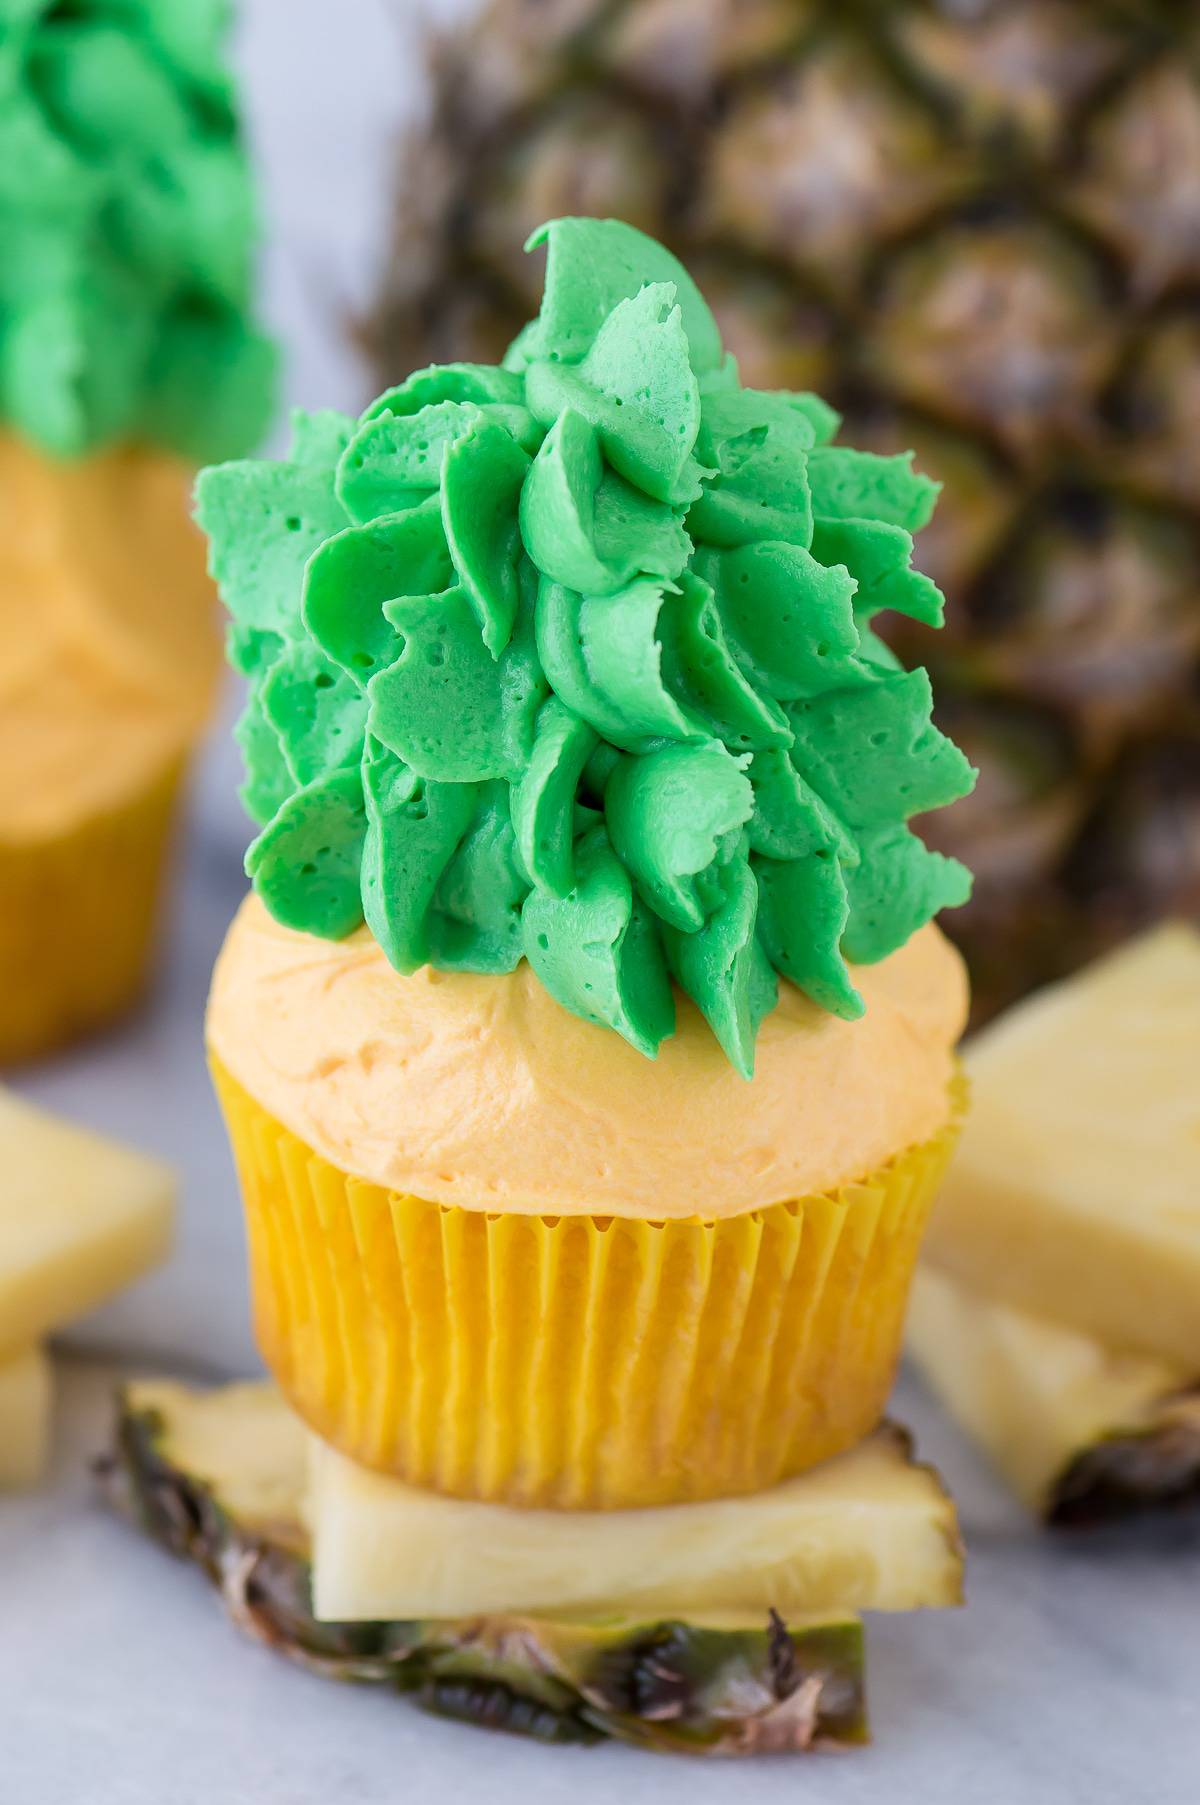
[(572, 661), (126, 230)]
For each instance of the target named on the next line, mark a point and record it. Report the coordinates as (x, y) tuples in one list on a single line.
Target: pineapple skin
[(975, 230), (26, 1400), (1081, 1433), (218, 1477)]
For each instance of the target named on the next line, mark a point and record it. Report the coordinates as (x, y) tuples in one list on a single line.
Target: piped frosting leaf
[(859, 485), (352, 575), (483, 473), (591, 266), (317, 713), (599, 951), (674, 816), (264, 521), (587, 528), (573, 660), (475, 916), (790, 617), (635, 387), (724, 968), (306, 863), (414, 829), (543, 799), (758, 446)]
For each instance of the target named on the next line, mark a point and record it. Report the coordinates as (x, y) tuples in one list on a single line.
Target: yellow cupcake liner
[(577, 1362), (77, 920)]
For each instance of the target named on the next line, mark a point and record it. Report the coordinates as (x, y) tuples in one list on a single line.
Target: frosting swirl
[(126, 232), (571, 660)]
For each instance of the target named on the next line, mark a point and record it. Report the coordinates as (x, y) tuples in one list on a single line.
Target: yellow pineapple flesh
[(1080, 1431), (80, 1217), (1075, 1191), (26, 1393), (871, 1530)]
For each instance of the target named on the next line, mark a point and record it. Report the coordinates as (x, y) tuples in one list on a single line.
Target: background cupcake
[(126, 356), (564, 684)]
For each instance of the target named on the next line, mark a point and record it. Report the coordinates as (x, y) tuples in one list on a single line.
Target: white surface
[(1073, 1676)]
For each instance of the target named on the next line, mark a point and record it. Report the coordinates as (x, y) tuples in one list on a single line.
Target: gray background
[(1073, 1676)]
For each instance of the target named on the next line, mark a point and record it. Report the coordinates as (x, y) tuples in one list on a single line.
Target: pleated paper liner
[(77, 919), (577, 1362)]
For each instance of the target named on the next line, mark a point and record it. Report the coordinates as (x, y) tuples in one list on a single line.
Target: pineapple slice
[(1075, 1192), (871, 1530), (80, 1217), (218, 1477), (26, 1389), (1080, 1432)]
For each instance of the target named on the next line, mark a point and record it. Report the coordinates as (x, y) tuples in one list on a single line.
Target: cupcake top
[(126, 231), (571, 661), (481, 1091)]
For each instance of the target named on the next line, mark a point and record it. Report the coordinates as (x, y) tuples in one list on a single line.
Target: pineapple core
[(25, 1394), (80, 1217), (1075, 1192)]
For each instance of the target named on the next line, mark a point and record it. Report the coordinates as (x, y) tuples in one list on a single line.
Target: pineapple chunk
[(80, 1217), (1075, 1192), (26, 1390), (1080, 1432), (218, 1478), (871, 1530)]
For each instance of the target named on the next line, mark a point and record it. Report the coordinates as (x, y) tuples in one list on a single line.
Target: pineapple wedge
[(1075, 1191), (218, 1478), (1081, 1433), (26, 1391), (871, 1530), (80, 1217)]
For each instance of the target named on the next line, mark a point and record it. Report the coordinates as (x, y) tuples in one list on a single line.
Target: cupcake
[(587, 1045), (126, 358)]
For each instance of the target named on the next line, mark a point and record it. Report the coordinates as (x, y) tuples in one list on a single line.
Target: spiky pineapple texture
[(975, 224)]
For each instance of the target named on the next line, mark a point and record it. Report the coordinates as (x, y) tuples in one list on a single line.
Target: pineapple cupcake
[(586, 1044), (126, 358)]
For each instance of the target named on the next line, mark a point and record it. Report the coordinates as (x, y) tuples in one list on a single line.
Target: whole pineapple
[(975, 226)]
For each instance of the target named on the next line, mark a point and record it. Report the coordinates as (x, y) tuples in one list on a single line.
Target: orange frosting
[(484, 1092), (109, 644)]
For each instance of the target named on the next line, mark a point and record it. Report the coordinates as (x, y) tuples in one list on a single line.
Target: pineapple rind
[(218, 1478), (26, 1395), (1080, 1432), (1073, 118)]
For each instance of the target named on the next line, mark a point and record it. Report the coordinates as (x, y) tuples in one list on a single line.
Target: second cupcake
[(127, 355)]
